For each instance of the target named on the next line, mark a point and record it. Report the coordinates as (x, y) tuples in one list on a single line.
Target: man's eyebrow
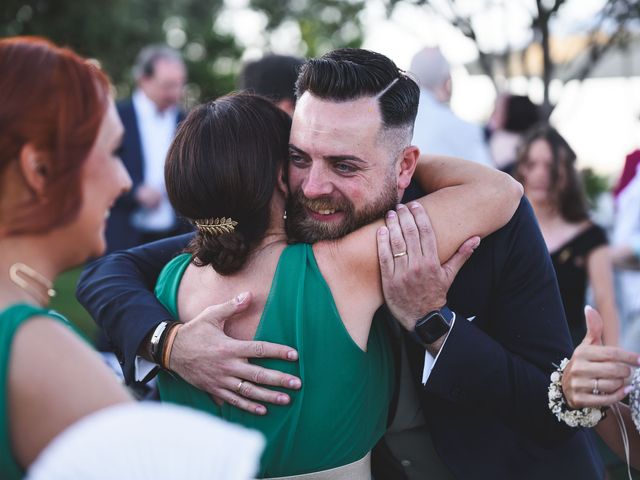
[(293, 147), (341, 158), (331, 158)]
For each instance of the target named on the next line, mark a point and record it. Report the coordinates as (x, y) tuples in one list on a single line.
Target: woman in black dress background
[(578, 247)]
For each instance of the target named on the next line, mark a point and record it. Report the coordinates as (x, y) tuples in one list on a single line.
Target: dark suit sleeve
[(502, 365), (117, 290)]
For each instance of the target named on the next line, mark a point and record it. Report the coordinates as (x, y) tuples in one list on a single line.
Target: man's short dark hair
[(273, 76), (351, 73)]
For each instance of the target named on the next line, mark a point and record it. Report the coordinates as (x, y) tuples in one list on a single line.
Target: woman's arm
[(55, 379), (471, 200), (466, 199), (601, 279), (609, 431)]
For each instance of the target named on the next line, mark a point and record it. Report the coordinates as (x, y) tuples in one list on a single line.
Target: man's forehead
[(315, 117)]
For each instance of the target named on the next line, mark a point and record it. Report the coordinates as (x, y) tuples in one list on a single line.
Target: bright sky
[(599, 117)]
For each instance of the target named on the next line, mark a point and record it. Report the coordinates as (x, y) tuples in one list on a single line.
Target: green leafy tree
[(324, 24), (113, 32)]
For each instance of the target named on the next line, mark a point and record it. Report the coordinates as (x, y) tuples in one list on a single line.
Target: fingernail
[(260, 410), (391, 214), (382, 231), (294, 383), (292, 355), (399, 206), (628, 389), (476, 244), (414, 205), (282, 399), (240, 299)]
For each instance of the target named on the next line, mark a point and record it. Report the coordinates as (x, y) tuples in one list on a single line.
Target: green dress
[(10, 320), (341, 410)]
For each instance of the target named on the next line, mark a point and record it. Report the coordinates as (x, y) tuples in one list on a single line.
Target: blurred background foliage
[(324, 24), (113, 31)]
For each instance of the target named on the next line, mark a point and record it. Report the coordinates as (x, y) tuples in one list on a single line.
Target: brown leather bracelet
[(168, 344)]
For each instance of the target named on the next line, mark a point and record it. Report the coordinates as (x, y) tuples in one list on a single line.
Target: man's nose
[(317, 183)]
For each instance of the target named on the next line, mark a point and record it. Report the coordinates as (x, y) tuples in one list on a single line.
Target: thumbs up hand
[(597, 375)]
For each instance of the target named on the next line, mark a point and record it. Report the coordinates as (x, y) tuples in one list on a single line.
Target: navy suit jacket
[(485, 401), (120, 233)]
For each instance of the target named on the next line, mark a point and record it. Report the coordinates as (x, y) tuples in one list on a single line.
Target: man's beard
[(303, 228)]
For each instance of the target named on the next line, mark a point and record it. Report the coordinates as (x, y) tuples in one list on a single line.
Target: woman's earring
[(284, 217)]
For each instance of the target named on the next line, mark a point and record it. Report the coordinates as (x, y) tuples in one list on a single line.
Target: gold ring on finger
[(595, 390), (401, 254), (239, 386)]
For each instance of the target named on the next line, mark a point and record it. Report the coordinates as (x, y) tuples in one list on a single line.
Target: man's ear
[(407, 165), (34, 168), (286, 105), (283, 185)]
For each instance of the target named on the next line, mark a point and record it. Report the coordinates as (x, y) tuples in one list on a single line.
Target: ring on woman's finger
[(239, 386), (401, 254), (595, 390)]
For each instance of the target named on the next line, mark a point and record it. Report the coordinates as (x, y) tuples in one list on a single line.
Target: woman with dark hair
[(578, 247), (513, 116), (224, 171), (59, 176)]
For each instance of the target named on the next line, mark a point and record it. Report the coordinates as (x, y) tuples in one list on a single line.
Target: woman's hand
[(597, 375)]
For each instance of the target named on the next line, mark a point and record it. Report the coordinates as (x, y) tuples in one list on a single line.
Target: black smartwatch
[(433, 325)]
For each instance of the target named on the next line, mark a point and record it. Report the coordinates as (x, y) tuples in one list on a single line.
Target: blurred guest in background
[(512, 117), (578, 247), (438, 130), (626, 248), (150, 118), (274, 77)]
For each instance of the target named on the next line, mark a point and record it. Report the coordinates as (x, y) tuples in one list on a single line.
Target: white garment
[(150, 441), (157, 130), (439, 131), (626, 231)]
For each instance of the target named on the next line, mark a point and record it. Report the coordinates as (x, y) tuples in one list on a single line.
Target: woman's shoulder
[(589, 235), (174, 268), (18, 315)]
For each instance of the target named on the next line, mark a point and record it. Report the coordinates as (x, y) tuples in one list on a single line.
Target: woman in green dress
[(59, 175), (61, 408), (224, 171)]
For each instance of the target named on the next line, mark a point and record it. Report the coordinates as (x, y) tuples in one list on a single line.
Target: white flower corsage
[(582, 417)]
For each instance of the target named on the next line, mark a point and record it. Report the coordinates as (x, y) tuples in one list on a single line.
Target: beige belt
[(358, 470)]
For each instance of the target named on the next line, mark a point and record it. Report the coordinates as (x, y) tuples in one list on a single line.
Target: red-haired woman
[(59, 176)]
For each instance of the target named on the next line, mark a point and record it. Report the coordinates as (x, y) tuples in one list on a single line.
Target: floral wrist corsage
[(582, 417)]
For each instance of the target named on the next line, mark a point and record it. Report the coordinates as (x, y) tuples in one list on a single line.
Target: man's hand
[(415, 284), (597, 374), (207, 358)]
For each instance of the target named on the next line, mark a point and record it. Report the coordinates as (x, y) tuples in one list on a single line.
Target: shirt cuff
[(429, 360), (144, 370)]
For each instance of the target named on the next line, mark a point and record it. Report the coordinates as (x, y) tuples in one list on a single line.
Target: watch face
[(432, 327)]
